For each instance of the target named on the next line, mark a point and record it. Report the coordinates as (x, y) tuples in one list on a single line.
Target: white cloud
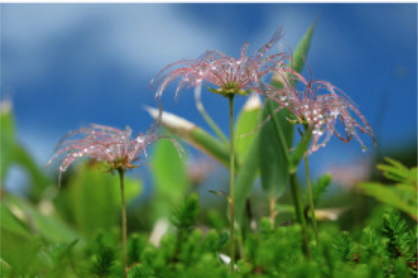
[(143, 37)]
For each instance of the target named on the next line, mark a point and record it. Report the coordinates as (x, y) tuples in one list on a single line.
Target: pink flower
[(112, 146), (320, 106), (230, 75)]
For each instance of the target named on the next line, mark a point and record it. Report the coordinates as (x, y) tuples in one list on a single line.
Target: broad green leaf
[(194, 135), (94, 198), (245, 180), (7, 139), (246, 125), (170, 176), (274, 167)]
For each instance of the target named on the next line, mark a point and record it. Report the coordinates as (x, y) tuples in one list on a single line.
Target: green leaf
[(274, 167), (94, 198), (245, 180), (394, 171), (299, 56), (211, 146), (301, 52), (7, 133), (389, 195), (13, 153), (320, 187), (39, 181), (194, 135), (170, 176), (246, 124), (10, 222), (17, 250), (48, 226), (300, 150)]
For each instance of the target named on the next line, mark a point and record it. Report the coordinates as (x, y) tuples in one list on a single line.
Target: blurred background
[(64, 66)]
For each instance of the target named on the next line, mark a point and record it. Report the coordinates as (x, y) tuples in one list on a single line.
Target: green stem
[(294, 186), (311, 203), (124, 259), (208, 119), (232, 169)]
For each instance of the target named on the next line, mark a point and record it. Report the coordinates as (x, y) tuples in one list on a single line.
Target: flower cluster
[(320, 106), (105, 144), (229, 75)]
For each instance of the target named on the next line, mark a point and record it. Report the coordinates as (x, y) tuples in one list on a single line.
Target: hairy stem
[(124, 258), (297, 200), (232, 169), (311, 203)]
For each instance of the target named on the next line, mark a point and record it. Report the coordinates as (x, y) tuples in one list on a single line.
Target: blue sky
[(67, 65)]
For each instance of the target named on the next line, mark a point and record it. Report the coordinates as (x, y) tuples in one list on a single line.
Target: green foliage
[(344, 246), (141, 271), (400, 243), (104, 262), (320, 187), (403, 194), (185, 215), (135, 245)]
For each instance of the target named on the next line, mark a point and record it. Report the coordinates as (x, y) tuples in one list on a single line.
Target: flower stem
[(297, 200), (232, 169), (125, 269), (311, 203)]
